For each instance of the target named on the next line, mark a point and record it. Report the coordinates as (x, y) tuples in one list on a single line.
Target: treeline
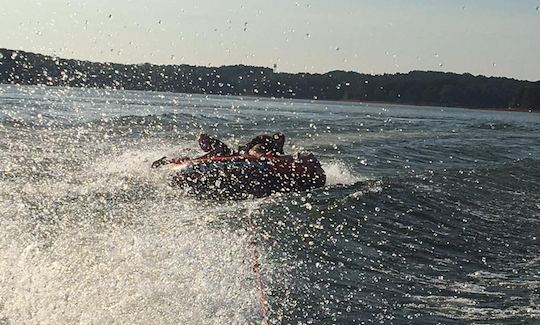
[(416, 87)]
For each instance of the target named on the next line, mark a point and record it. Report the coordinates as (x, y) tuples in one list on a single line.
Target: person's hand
[(160, 162)]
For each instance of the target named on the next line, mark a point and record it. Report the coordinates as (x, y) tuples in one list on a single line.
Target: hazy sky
[(490, 37)]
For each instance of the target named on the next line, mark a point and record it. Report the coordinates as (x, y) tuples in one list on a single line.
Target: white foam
[(154, 274), (338, 173), (77, 249)]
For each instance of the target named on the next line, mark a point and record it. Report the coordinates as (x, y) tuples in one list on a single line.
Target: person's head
[(257, 150), (205, 142)]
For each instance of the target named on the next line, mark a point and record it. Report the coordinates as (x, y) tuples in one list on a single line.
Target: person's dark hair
[(279, 140)]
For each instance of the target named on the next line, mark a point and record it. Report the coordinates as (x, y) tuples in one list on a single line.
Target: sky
[(488, 37)]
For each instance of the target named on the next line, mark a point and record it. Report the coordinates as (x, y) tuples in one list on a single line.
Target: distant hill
[(416, 87)]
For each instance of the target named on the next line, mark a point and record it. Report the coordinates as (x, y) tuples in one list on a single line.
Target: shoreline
[(415, 88)]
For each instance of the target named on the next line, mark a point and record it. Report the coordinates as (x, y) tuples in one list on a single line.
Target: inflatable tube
[(240, 177)]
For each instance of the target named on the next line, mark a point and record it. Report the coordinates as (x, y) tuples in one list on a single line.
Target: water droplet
[(377, 209)]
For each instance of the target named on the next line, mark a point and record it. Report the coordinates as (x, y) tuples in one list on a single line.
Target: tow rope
[(257, 268)]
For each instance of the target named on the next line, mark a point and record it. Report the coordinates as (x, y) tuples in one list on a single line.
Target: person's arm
[(179, 160), (165, 161)]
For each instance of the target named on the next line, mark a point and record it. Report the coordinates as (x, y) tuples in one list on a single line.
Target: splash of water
[(338, 173)]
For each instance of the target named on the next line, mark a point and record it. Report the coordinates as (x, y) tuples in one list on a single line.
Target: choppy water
[(431, 215)]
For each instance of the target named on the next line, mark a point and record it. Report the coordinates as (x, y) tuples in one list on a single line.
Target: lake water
[(430, 215)]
